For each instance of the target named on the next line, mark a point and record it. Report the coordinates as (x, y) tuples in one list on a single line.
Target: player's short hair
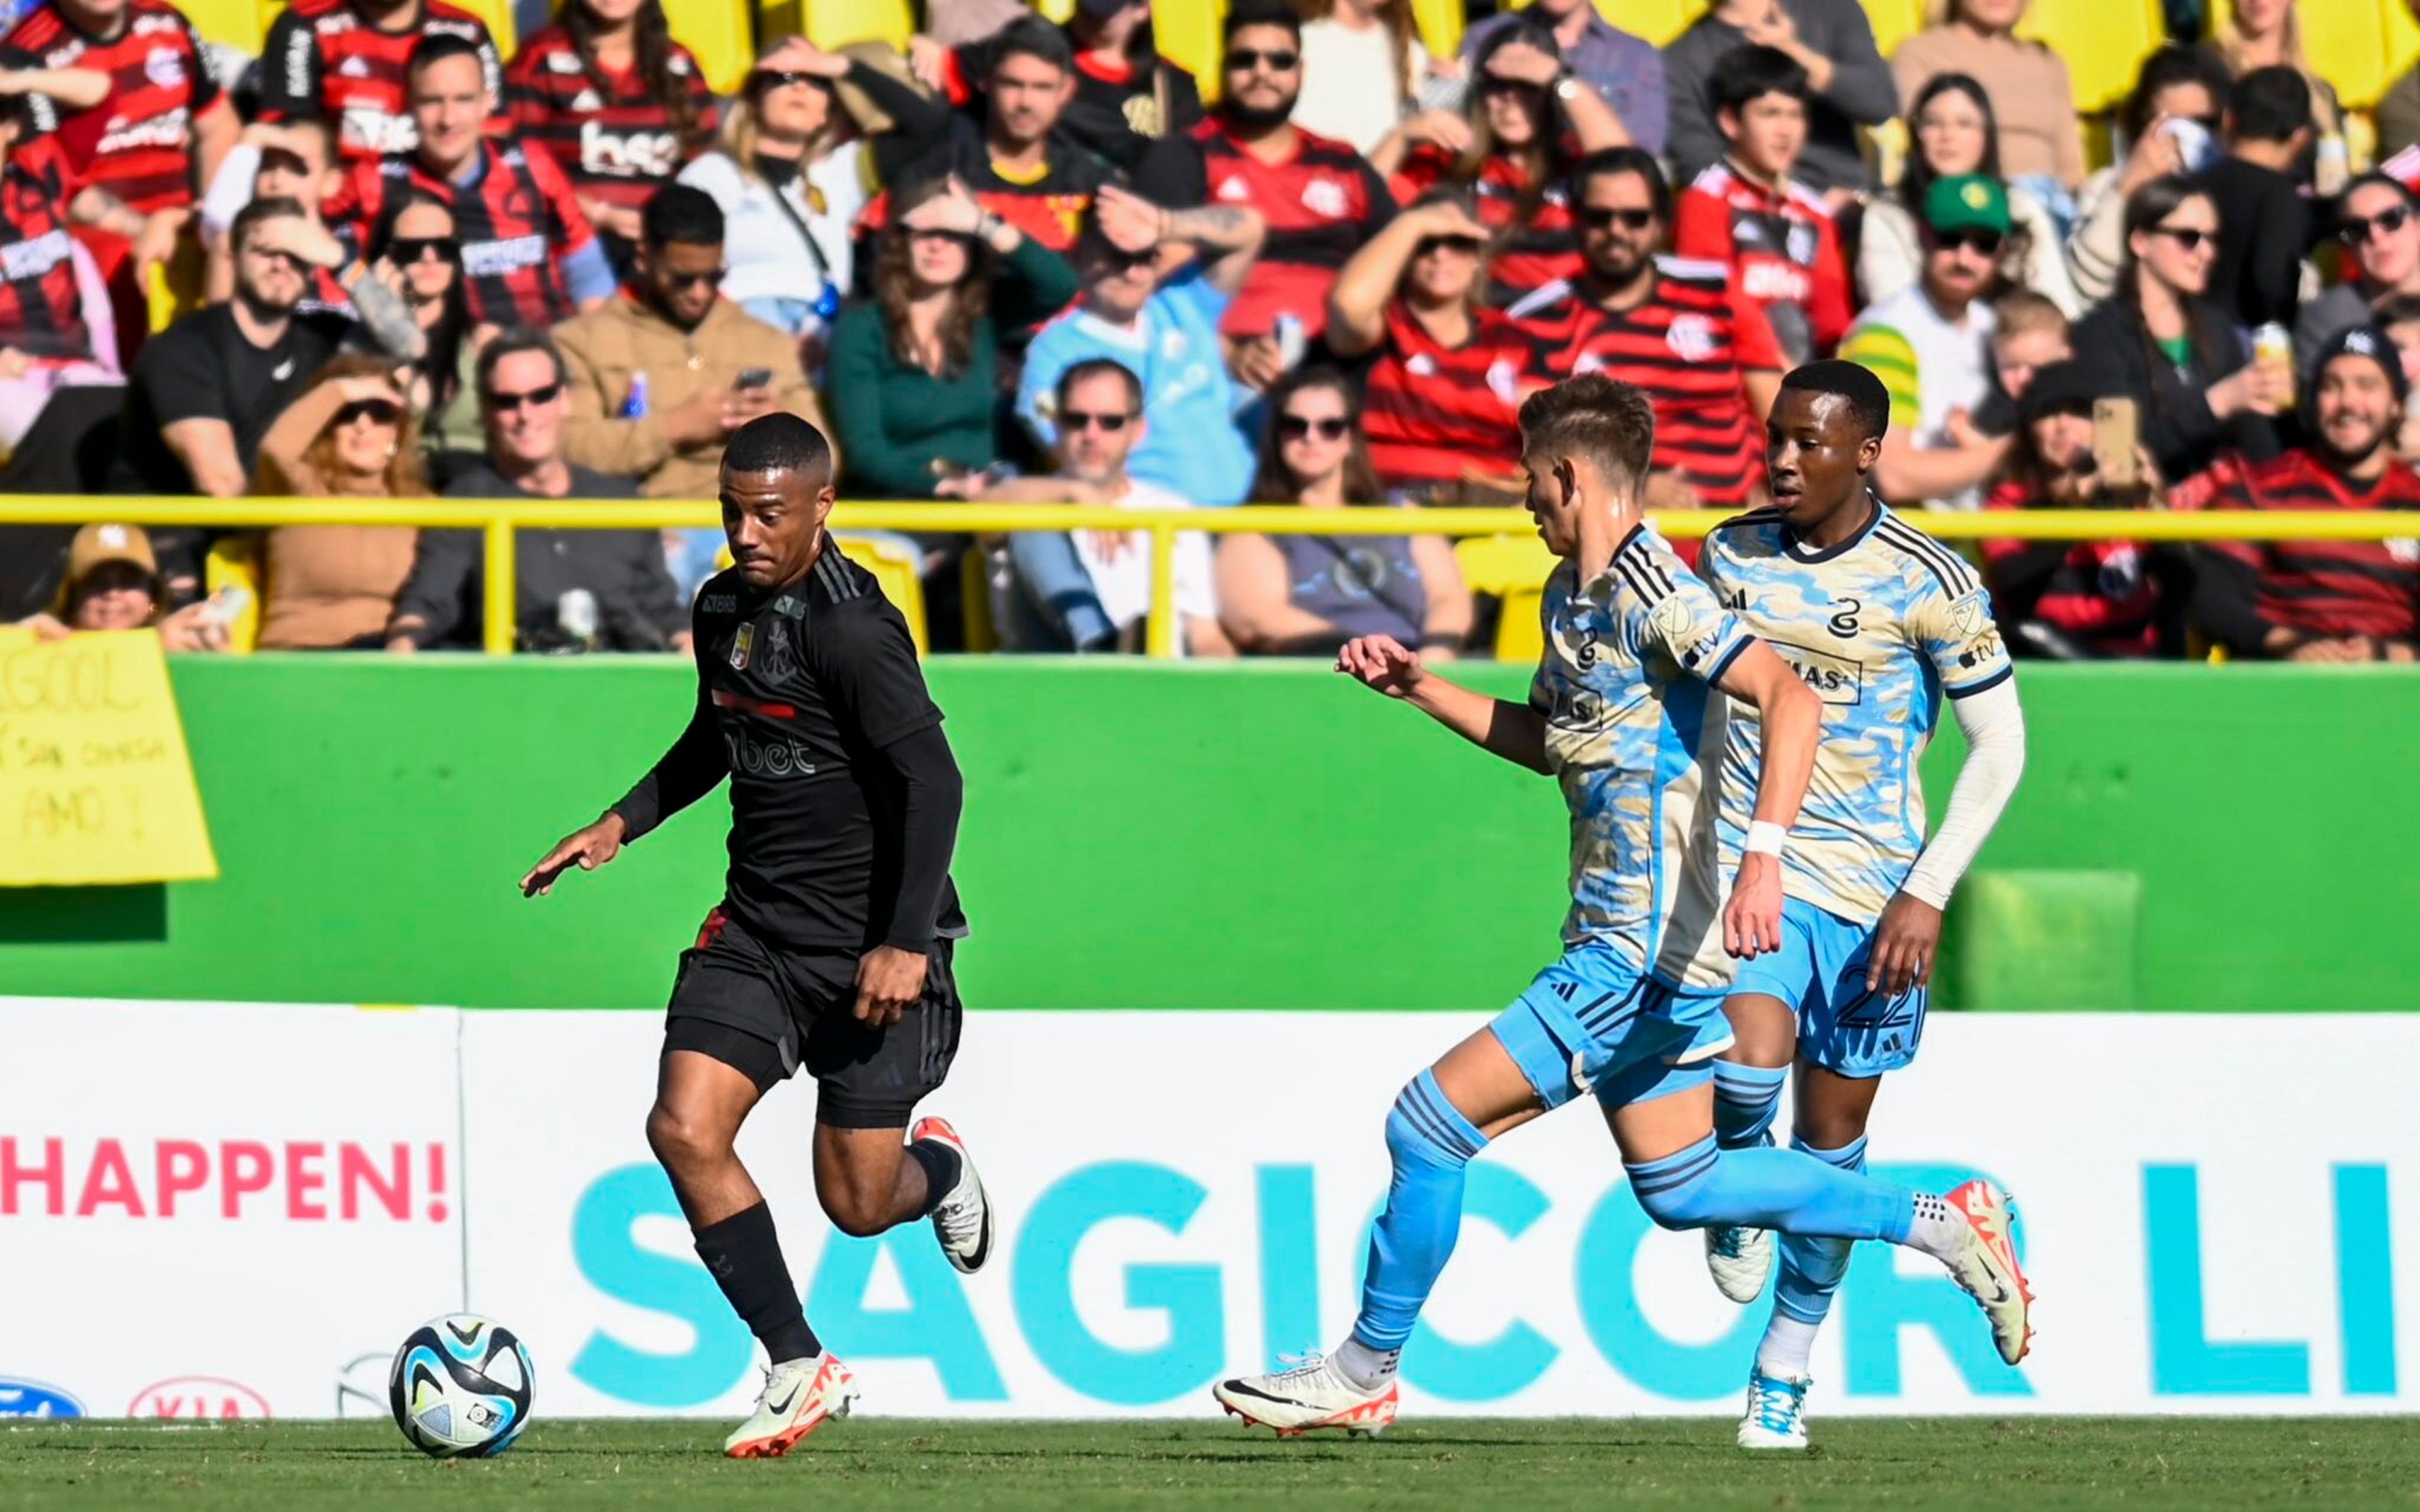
[(510, 342), (2269, 104), (682, 213), (1093, 367), (1245, 13), (1609, 423), (251, 217), (779, 443), (435, 48), (1612, 162), (1034, 37), (1869, 401), (1749, 73)]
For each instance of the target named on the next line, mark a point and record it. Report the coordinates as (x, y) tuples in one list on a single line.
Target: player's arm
[(1792, 719), (1516, 731)]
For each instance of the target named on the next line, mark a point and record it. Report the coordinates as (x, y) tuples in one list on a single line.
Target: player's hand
[(586, 848), (1752, 918), (1380, 661), (1905, 943), (889, 983)]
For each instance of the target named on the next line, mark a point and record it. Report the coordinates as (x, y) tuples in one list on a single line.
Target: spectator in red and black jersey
[(1677, 328), (2323, 600), (158, 132), (2077, 600), (56, 328), (1444, 396), (1525, 121), (529, 255), (342, 62), (1749, 213), (619, 104), (1320, 199)]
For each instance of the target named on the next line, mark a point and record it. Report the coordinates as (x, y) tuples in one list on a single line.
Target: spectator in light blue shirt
[(1155, 284), (1626, 72)]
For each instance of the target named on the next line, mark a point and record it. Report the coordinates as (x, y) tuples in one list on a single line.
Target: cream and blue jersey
[(1635, 735), (1881, 627)]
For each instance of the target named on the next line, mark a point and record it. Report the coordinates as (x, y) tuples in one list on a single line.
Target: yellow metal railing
[(498, 518)]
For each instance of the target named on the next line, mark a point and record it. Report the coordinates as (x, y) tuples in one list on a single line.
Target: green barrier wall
[(1145, 835)]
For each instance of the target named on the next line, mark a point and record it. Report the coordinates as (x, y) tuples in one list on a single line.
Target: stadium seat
[(2103, 41), (1440, 24), (1513, 569), (974, 598), (896, 568), (1188, 31), (175, 289), (238, 23), (2360, 46), (1658, 20), (835, 24), (235, 562), (1893, 22), (722, 33)]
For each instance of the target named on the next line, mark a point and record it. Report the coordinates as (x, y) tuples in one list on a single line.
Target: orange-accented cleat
[(799, 1395), (1314, 1394), (1986, 1265)]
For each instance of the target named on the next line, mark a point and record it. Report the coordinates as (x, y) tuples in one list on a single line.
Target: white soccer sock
[(1937, 1229), (1366, 1368), (1788, 1346)]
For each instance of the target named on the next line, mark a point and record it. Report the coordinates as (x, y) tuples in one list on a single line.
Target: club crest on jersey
[(739, 645), (1236, 191), (163, 66), (1691, 338), (1801, 242), (1325, 196)]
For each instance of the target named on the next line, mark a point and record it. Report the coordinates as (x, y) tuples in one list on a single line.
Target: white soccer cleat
[(799, 1396), (1739, 1259), (1314, 1394), (1986, 1265), (1777, 1412), (962, 1222)]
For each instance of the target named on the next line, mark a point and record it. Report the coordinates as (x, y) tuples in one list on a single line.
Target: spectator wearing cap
[(656, 371), (2076, 600), (1951, 131), (2323, 600), (2265, 224), (1930, 345), (113, 583), (1162, 328), (1849, 86), (1625, 72), (2378, 220), (573, 590)]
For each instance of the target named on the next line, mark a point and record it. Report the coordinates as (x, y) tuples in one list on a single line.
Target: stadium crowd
[(1027, 260)]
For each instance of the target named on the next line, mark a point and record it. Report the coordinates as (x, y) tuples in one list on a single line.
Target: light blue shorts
[(1820, 973), (1591, 1023)]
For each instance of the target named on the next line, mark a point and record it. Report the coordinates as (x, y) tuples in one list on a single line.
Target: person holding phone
[(662, 374)]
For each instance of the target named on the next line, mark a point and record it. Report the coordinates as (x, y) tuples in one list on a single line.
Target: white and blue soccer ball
[(461, 1387)]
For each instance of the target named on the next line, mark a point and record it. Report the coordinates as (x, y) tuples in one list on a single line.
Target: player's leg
[(1762, 1011)]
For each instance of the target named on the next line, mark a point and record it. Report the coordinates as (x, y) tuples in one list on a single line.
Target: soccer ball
[(461, 1387)]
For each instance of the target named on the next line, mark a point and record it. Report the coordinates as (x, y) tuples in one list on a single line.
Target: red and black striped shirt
[(2328, 588), (137, 143), (1688, 345), (2101, 592), (1435, 413), (516, 224), (41, 311), (1532, 249), (607, 134), (323, 58)]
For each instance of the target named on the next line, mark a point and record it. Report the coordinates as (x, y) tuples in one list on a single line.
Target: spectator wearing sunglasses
[(1627, 72), (1930, 345), (2266, 224), (350, 435), (573, 590), (2378, 222), (2180, 358), (414, 252), (664, 372), (1306, 596), (2169, 125)]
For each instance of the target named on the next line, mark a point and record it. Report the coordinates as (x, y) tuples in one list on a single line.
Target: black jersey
[(800, 693)]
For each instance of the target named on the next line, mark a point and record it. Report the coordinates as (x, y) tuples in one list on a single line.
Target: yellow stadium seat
[(1440, 24), (835, 24), (2103, 41), (1188, 31), (1893, 22), (235, 562), (722, 33), (897, 568), (237, 23), (1512, 568), (175, 289), (2352, 44), (975, 599), (1062, 12), (1657, 21)]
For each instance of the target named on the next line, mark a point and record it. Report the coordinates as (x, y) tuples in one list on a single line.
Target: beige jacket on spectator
[(621, 338), (2031, 95), (2096, 249)]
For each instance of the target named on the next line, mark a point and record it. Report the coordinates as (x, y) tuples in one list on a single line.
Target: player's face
[(2356, 406), (1255, 79), (1552, 501), (2179, 250), (2385, 233), (1950, 135), (1098, 427), (450, 106), (2063, 438), (684, 278), (2018, 355), (1768, 133), (1443, 268), (772, 522), (1027, 96), (421, 231), (525, 407), (1620, 231), (1816, 458)]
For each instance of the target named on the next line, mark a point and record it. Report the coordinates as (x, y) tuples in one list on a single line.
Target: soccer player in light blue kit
[(1881, 622), (1625, 714)]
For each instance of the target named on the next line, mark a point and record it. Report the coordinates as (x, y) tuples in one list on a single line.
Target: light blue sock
[(1431, 1144), (1812, 1265), (1744, 1100), (1783, 1189)]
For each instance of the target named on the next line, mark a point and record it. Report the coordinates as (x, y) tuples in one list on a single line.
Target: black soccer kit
[(843, 810)]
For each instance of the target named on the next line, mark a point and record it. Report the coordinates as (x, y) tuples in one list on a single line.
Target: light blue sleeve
[(586, 274), (1196, 294), (1691, 626), (1960, 638)]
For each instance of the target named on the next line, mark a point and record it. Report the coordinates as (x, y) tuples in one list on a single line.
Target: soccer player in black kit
[(831, 947)]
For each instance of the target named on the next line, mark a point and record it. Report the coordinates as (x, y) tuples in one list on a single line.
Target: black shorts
[(766, 1012)]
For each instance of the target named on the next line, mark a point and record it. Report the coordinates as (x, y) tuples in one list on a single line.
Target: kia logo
[(198, 1396)]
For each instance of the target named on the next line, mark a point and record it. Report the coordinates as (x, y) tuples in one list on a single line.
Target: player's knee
[(1681, 1191), (855, 1208), (1424, 1129), (681, 1140), (1680, 1206)]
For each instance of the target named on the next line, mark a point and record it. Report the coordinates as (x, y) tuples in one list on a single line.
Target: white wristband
[(1764, 837)]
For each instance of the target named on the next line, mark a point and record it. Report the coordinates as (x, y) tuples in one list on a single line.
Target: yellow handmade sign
[(95, 783)]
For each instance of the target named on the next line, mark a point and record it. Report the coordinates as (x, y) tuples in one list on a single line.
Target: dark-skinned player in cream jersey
[(831, 948)]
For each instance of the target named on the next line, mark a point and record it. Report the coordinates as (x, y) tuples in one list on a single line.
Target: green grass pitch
[(2019, 1464)]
